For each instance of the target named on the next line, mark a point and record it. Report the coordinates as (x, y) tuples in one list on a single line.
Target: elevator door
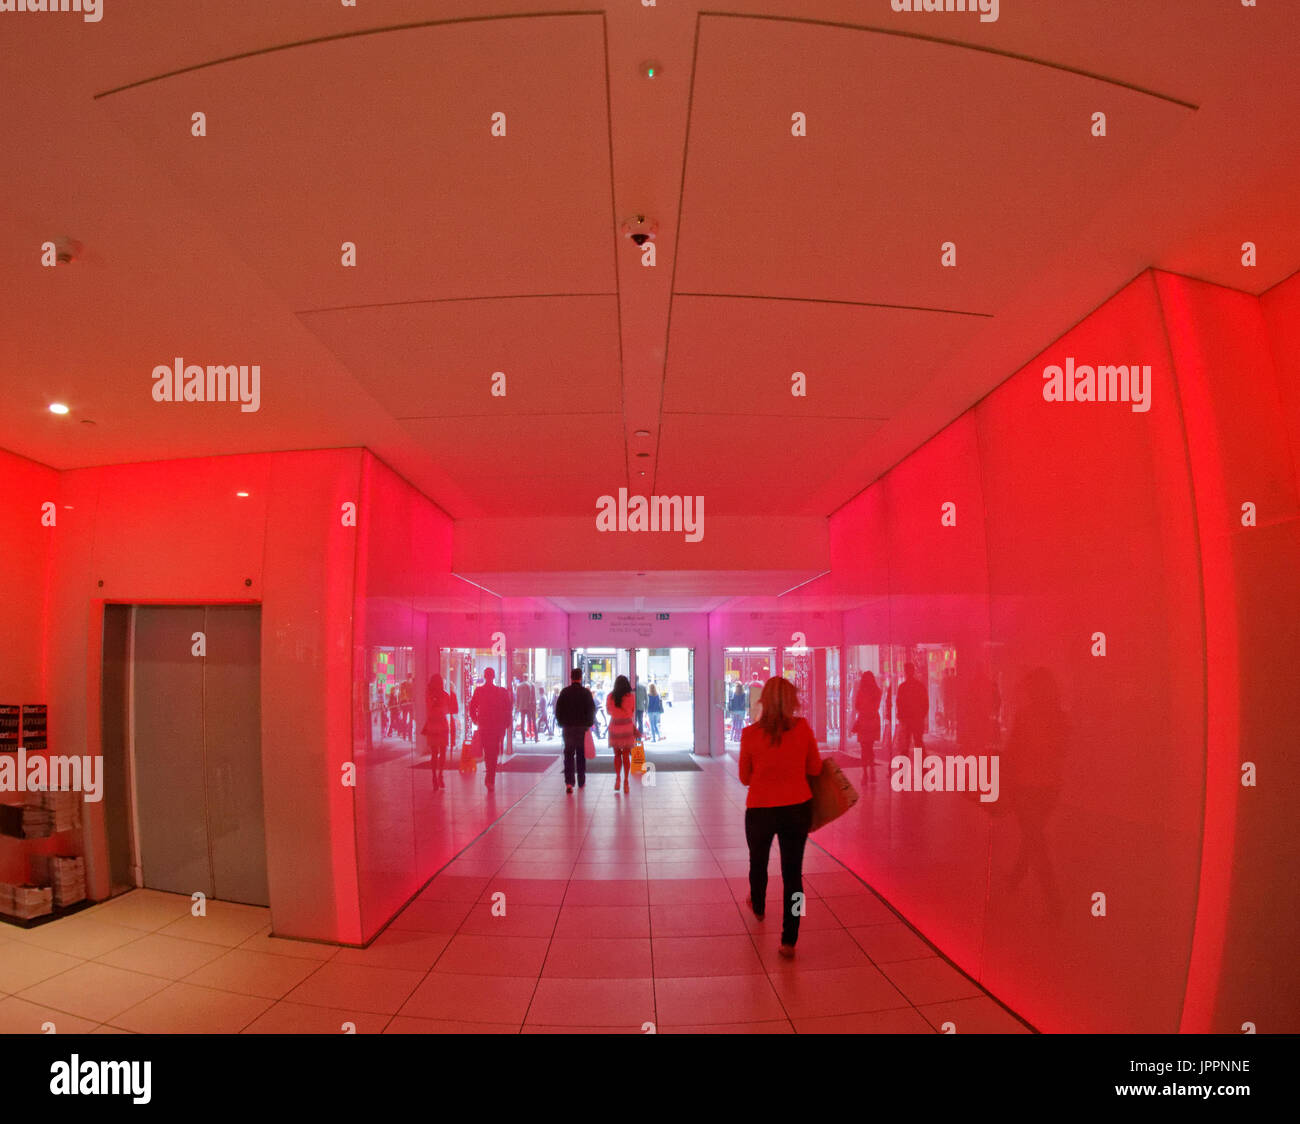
[(196, 726)]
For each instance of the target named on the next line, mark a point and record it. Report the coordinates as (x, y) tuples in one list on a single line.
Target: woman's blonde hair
[(780, 703)]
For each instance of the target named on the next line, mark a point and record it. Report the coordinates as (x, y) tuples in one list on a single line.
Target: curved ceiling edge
[(941, 41), (344, 35)]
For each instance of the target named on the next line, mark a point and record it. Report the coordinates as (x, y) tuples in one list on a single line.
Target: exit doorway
[(665, 678)]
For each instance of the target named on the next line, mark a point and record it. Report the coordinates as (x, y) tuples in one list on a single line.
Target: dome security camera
[(640, 229)]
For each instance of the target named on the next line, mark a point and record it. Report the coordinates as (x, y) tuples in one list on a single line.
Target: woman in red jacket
[(778, 754)]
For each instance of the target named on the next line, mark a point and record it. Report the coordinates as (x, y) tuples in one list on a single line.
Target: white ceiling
[(481, 254)]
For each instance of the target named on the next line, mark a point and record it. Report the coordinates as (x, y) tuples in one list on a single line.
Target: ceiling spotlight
[(242, 495), (58, 408), (640, 229), (641, 473), (650, 69), (642, 433)]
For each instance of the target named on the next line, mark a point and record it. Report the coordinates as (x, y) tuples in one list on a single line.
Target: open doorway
[(666, 714)]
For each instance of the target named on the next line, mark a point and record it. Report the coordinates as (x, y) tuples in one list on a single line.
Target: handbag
[(638, 755), (832, 794), (588, 745)]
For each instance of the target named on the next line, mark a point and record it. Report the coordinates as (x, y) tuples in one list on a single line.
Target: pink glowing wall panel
[(178, 532), (1239, 409), (410, 611), (1072, 519), (25, 487)]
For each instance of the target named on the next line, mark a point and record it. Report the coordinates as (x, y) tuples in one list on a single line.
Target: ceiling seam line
[(677, 249), (899, 34), (358, 34)]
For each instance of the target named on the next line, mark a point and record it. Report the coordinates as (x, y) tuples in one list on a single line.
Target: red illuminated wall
[(1118, 773), (406, 598), (177, 531), (25, 548)]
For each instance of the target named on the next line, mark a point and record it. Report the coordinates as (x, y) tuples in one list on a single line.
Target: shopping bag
[(638, 755), (468, 763), (588, 745), (832, 794)]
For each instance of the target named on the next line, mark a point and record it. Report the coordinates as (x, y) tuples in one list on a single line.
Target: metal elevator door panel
[(170, 780), (233, 739), (197, 751)]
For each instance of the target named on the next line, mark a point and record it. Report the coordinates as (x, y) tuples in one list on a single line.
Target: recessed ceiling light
[(642, 433), (58, 408), (651, 69), (642, 472), (242, 495)]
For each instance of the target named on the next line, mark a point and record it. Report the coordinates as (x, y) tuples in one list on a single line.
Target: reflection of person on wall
[(575, 714), (1034, 752), (912, 704), (866, 722), (655, 708), (490, 709), (440, 707)]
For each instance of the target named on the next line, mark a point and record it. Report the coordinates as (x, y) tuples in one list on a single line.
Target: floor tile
[(599, 958), (836, 991), (19, 1016), (351, 987), (721, 999), (183, 1008), (470, 998), (259, 974), (932, 980), (94, 991), (167, 957), (477, 954), (588, 1002)]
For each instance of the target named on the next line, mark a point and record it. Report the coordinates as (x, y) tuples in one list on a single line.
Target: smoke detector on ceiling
[(640, 229), (67, 250)]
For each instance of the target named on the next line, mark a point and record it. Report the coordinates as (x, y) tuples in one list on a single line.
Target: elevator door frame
[(137, 866)]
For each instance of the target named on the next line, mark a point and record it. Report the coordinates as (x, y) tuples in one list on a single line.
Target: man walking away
[(490, 709), (575, 714), (912, 705)]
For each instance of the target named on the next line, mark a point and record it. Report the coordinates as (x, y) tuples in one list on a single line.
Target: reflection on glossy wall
[(1039, 563)]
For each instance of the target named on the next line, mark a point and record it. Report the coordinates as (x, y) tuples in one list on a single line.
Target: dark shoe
[(786, 950), (569, 789), (757, 913)]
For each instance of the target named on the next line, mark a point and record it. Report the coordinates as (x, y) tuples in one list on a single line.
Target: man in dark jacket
[(575, 714), (913, 707), (640, 690), (490, 709)]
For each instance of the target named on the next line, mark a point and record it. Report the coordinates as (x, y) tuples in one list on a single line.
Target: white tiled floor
[(622, 911)]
